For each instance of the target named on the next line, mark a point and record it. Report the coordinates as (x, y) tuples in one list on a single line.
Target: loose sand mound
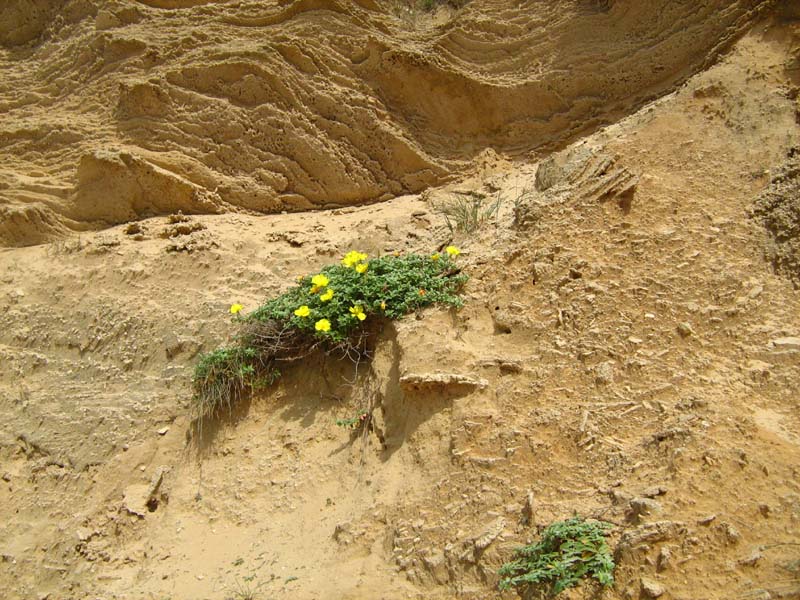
[(271, 106)]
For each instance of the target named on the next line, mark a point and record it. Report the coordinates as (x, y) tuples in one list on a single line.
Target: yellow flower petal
[(358, 312), (322, 325), (352, 258), (236, 308), (303, 311), (319, 281), (361, 268), (452, 251), (435, 256), (327, 295)]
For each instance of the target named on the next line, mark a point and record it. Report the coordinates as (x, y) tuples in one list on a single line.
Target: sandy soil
[(627, 349), (124, 109)]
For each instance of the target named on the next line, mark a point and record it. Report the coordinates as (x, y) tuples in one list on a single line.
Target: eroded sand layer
[(116, 111)]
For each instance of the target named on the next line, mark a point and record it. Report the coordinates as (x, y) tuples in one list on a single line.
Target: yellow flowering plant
[(387, 286), (336, 310)]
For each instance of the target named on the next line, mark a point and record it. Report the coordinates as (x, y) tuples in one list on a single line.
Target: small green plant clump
[(220, 376), (353, 422), (568, 551), (467, 212), (336, 310)]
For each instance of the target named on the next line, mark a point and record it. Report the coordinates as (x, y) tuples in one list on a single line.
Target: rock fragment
[(707, 520), (654, 491), (652, 588), (436, 565), (140, 499), (751, 559), (526, 518), (474, 546), (758, 370), (642, 507), (644, 536), (604, 373), (433, 381), (664, 559), (786, 343), (589, 173), (731, 533)]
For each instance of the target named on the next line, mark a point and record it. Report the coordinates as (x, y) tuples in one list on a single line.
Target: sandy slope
[(123, 109), (613, 349)]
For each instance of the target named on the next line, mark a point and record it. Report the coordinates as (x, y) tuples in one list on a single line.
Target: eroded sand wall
[(120, 110)]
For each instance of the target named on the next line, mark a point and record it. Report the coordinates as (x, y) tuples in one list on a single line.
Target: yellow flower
[(319, 281), (358, 312), (303, 311), (362, 267), (322, 325), (435, 256), (383, 305), (236, 308), (352, 258), (327, 295), (452, 251)]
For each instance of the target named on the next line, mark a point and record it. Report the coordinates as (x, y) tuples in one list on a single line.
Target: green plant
[(568, 551), (354, 422), (245, 589), (336, 310), (466, 212), (224, 373)]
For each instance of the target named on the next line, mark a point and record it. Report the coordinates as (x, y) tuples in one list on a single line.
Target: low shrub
[(337, 310), (568, 551)]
